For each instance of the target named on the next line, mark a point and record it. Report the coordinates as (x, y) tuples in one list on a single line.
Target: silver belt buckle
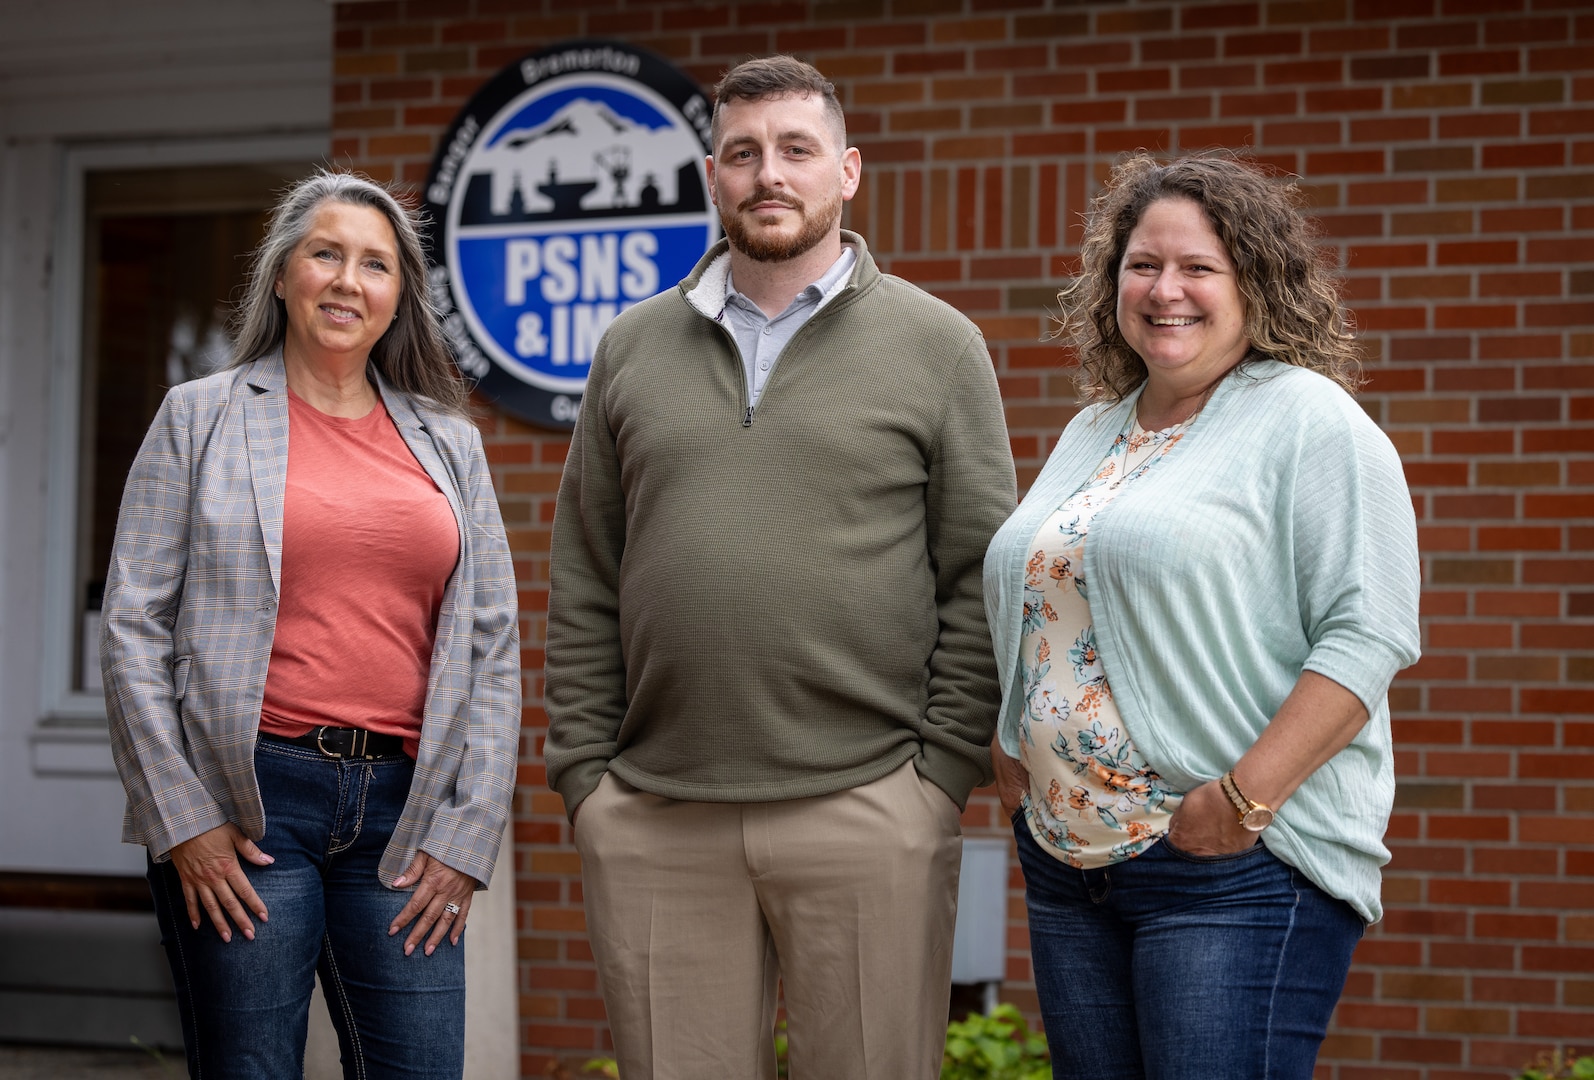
[(359, 738)]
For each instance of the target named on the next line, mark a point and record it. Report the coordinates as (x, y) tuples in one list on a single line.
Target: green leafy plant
[(1555, 1065), (160, 1058), (998, 1046), (782, 1070), (610, 1068), (995, 1047)]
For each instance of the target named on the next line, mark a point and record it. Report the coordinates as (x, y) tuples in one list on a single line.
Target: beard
[(812, 228)]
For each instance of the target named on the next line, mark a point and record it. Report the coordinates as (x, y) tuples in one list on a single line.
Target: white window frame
[(61, 704)]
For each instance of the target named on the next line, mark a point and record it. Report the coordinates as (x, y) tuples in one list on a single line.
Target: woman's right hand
[(1012, 781), (213, 880)]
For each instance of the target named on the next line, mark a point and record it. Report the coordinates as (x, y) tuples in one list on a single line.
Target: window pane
[(165, 256)]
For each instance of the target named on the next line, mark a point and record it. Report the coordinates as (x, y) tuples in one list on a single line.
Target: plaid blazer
[(191, 607)]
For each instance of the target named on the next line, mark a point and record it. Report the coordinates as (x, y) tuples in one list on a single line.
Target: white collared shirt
[(761, 339)]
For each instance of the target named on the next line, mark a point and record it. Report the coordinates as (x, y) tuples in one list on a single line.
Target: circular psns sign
[(569, 188)]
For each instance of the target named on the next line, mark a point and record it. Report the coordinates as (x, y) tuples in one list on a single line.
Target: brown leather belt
[(344, 742)]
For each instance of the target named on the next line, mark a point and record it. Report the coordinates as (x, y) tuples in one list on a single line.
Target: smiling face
[(1179, 302), (779, 176), (340, 286)]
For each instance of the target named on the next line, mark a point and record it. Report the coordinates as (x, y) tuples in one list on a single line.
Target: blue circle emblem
[(570, 187)]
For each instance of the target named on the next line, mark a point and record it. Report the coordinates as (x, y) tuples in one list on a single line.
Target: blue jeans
[(1172, 966), (245, 1005)]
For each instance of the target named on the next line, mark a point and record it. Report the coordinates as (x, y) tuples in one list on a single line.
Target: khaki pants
[(694, 909)]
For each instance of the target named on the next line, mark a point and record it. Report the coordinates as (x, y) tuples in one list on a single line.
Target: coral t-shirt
[(368, 544)]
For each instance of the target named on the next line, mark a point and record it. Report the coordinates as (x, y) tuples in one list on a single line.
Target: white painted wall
[(102, 75), (73, 69)]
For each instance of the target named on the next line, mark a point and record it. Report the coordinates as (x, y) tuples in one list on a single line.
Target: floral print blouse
[(1092, 799)]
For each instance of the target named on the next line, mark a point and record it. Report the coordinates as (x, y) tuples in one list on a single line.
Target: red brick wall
[(1447, 146)]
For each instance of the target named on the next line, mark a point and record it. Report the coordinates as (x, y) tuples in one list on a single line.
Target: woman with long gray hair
[(311, 659)]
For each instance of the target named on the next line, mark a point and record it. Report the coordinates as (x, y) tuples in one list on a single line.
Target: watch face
[(1257, 818)]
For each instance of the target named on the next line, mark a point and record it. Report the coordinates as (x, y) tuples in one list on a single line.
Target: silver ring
[(451, 908)]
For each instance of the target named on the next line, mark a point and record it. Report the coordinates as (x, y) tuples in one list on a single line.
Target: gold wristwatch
[(1253, 815)]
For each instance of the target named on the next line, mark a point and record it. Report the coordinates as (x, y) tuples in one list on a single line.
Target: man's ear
[(851, 172)]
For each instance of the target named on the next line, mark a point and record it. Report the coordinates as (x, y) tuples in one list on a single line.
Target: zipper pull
[(747, 417)]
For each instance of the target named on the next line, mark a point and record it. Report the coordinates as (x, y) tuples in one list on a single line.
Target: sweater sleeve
[(585, 687), (971, 491), (1356, 563)]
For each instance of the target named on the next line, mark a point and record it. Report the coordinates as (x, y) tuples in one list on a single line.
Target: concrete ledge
[(84, 977)]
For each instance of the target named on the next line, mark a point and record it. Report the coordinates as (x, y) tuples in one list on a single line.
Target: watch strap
[(1242, 805)]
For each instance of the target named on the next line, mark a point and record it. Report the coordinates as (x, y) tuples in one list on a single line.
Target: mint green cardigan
[(1278, 537)]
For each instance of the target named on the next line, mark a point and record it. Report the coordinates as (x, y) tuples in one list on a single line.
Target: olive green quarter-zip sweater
[(746, 607)]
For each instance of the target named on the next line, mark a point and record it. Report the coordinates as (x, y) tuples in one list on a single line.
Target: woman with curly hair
[(1199, 607)]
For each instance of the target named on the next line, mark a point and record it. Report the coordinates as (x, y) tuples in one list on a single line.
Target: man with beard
[(769, 679)]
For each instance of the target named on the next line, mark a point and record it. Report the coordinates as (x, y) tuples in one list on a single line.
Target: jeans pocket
[(1228, 856)]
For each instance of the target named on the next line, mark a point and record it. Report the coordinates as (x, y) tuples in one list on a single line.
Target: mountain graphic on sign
[(584, 161), (579, 116)]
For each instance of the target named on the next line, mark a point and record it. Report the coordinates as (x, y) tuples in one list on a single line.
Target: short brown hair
[(1292, 305), (776, 77)]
